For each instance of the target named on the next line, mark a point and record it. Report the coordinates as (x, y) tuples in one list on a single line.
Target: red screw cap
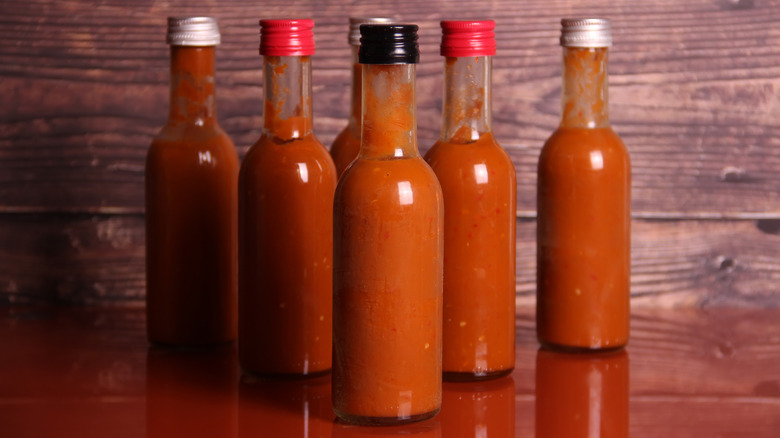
[(287, 37), (468, 38)]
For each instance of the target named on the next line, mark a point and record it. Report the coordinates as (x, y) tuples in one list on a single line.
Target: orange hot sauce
[(286, 190), (584, 200), (387, 277), (191, 205), (582, 395), (479, 185), (346, 145)]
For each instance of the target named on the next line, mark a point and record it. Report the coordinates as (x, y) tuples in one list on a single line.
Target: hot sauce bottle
[(191, 203), (387, 278), (478, 181), (285, 191), (584, 200), (347, 144), (582, 395)]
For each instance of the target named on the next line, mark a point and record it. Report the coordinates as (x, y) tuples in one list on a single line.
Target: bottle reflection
[(581, 395), (191, 393), (285, 408), (478, 409), (426, 429)]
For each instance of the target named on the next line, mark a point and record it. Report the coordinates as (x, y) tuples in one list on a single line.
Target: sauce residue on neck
[(585, 88)]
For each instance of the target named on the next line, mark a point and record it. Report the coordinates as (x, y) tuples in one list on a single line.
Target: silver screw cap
[(586, 32), (354, 27), (193, 31)]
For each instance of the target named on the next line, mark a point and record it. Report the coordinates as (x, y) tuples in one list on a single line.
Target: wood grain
[(87, 259), (693, 94), (71, 259)]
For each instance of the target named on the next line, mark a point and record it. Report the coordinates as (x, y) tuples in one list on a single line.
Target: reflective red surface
[(70, 372)]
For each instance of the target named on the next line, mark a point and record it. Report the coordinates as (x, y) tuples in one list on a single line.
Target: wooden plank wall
[(694, 94)]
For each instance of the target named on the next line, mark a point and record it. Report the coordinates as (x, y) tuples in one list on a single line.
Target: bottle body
[(191, 214), (583, 225), (479, 186), (388, 218), (346, 145), (286, 190)]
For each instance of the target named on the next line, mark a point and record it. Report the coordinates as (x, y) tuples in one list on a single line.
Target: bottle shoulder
[(370, 184), (571, 150), (270, 155), (593, 138), (369, 173), (184, 135), (463, 156), (205, 147)]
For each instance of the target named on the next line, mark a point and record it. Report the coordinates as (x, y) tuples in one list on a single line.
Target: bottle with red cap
[(286, 187), (478, 181)]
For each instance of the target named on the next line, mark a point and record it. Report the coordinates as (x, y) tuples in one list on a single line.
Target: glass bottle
[(584, 200), (478, 181), (191, 203), (286, 190), (387, 278), (346, 145)]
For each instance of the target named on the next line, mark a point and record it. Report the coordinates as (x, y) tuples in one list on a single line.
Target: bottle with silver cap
[(192, 203), (347, 144), (583, 206)]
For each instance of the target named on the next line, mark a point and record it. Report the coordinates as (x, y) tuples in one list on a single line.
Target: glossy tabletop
[(686, 373)]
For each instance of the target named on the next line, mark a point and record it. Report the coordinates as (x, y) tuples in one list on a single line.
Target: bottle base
[(361, 420), (457, 376), (562, 348)]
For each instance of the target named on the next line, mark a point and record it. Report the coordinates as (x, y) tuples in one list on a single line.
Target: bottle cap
[(468, 38), (287, 37), (388, 44), (354, 27), (193, 31), (586, 32)]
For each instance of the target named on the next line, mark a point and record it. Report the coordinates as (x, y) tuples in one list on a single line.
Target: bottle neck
[(466, 112), (287, 104), (357, 94), (389, 128), (192, 86), (584, 100)]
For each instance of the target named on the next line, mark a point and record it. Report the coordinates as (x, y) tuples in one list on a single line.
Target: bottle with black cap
[(387, 278)]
